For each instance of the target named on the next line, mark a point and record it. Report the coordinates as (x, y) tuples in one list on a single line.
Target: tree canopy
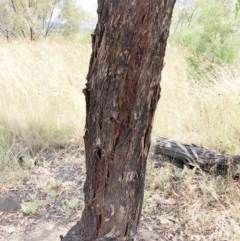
[(34, 19), (209, 30)]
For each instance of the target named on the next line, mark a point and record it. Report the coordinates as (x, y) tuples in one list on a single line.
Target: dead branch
[(192, 156)]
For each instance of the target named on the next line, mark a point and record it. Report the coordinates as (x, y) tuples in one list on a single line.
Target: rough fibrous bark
[(122, 91)]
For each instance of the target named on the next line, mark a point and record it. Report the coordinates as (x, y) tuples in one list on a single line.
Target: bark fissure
[(123, 87)]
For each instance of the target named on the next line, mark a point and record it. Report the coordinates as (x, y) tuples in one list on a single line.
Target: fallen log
[(192, 156)]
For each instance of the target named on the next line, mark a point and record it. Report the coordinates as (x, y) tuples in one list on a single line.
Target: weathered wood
[(193, 155), (122, 91)]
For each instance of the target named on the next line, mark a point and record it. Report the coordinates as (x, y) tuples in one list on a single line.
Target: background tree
[(72, 18), (210, 32), (34, 19), (123, 88)]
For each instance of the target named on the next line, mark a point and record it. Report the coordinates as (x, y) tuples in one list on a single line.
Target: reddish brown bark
[(123, 88)]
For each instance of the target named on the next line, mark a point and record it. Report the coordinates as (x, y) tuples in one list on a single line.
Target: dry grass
[(206, 112), (41, 105), (41, 101), (202, 206)]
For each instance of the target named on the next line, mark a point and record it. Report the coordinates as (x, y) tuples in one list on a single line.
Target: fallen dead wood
[(192, 156)]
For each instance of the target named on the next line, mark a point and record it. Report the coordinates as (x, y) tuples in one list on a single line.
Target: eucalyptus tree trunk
[(122, 91)]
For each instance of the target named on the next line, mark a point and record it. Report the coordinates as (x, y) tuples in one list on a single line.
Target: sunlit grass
[(41, 101), (204, 206), (204, 112), (42, 104)]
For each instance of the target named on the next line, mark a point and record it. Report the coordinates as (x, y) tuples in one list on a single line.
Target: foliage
[(34, 19), (71, 17), (32, 206), (56, 184), (73, 203), (210, 32), (201, 112)]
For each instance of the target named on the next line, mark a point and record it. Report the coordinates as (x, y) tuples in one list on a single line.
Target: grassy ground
[(42, 105), (41, 101), (179, 204), (194, 205), (204, 112)]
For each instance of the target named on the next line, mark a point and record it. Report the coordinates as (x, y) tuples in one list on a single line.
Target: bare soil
[(57, 178)]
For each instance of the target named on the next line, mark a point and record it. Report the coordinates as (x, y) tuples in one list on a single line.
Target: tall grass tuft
[(42, 105), (41, 101), (204, 112)]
